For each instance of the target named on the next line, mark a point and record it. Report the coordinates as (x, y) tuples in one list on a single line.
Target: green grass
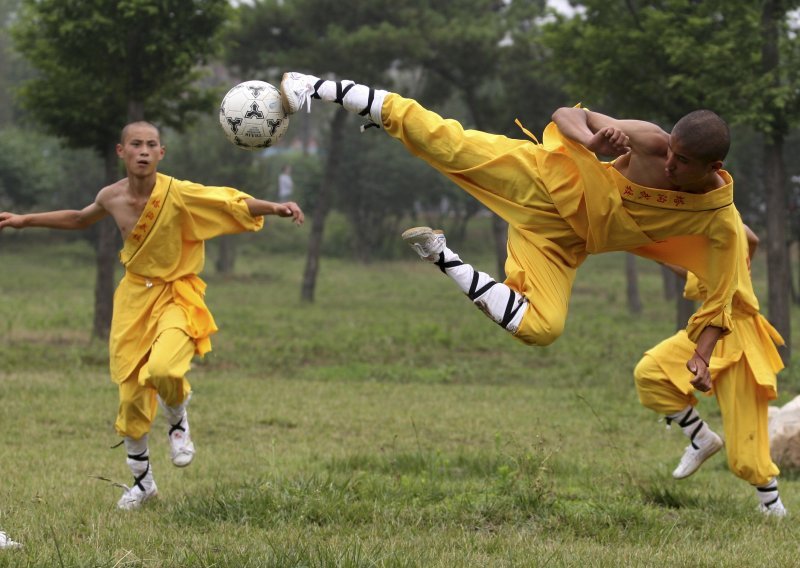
[(387, 424)]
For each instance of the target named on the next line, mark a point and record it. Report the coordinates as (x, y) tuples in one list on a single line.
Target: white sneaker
[(775, 510), (181, 447), (693, 458), (426, 242), (296, 91), (6, 542), (134, 497)]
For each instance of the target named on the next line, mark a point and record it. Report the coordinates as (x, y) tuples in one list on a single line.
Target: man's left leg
[(165, 371), (744, 404)]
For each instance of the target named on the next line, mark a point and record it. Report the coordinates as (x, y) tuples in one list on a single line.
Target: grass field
[(387, 424)]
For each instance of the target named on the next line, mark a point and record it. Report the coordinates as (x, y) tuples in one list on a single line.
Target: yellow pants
[(163, 373), (544, 251), (742, 402)]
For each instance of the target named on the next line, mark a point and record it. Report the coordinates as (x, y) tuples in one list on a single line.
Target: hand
[(609, 141), (702, 376), (10, 220), (291, 209)]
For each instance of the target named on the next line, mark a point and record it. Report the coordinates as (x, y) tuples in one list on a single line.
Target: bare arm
[(752, 241), (259, 207), (67, 219), (610, 136)]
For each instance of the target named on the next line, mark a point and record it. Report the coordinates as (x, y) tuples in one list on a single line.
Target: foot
[(6, 542), (775, 509), (426, 242), (693, 458), (181, 447), (296, 91), (134, 497)]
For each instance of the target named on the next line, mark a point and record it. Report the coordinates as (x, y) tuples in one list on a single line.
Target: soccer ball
[(251, 115)]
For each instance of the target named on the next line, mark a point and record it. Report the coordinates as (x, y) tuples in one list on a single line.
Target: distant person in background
[(6, 542), (744, 366), (285, 184), (160, 317)]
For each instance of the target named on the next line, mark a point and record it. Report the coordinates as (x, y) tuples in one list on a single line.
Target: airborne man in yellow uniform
[(160, 319), (665, 197)]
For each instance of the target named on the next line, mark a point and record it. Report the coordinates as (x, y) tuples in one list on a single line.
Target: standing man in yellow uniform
[(744, 365), (666, 197), (160, 319)]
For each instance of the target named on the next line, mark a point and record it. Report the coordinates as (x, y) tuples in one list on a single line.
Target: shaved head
[(138, 124), (704, 135)]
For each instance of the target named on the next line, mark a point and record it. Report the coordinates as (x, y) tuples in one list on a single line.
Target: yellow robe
[(562, 203), (162, 256), (744, 367)]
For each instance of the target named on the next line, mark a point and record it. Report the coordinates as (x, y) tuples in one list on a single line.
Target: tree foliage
[(99, 59)]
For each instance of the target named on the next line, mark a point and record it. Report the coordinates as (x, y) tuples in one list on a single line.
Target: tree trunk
[(774, 176), (226, 259), (669, 283), (778, 277), (632, 287), (321, 208), (105, 260)]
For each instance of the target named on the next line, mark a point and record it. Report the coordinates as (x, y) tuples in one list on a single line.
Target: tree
[(737, 57), (103, 63), (353, 39)]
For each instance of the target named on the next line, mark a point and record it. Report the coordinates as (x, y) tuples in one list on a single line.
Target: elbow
[(559, 114)]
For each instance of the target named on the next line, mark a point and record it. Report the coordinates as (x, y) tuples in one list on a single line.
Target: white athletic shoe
[(693, 458), (134, 497), (426, 242), (296, 91), (775, 510), (6, 542)]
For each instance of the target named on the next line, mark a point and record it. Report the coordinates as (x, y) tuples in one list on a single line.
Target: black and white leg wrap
[(691, 424), (502, 304), (140, 467), (360, 99)]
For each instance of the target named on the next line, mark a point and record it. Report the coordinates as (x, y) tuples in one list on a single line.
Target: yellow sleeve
[(214, 211), (721, 277), (694, 289)]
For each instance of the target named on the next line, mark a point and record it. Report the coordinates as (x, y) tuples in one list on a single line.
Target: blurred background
[(72, 73)]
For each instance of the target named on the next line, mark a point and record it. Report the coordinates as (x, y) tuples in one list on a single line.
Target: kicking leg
[(298, 89)]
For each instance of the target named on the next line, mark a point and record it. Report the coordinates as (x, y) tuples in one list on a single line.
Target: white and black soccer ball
[(251, 115)]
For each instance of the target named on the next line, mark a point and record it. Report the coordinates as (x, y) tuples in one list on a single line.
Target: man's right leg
[(500, 303), (659, 393), (137, 409)]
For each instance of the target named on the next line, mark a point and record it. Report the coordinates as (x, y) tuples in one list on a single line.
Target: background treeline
[(72, 73)]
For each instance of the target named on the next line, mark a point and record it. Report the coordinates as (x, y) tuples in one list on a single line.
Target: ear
[(119, 150)]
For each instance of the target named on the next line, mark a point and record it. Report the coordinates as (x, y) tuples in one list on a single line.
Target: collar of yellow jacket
[(147, 220)]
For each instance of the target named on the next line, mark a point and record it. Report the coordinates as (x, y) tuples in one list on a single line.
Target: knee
[(161, 369), (538, 330)]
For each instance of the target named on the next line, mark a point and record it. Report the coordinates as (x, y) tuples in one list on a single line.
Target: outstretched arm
[(259, 207), (68, 219)]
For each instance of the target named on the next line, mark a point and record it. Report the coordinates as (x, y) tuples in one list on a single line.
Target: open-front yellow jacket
[(163, 256)]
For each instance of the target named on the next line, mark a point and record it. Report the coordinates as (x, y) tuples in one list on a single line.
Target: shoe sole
[(284, 99), (415, 232)]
